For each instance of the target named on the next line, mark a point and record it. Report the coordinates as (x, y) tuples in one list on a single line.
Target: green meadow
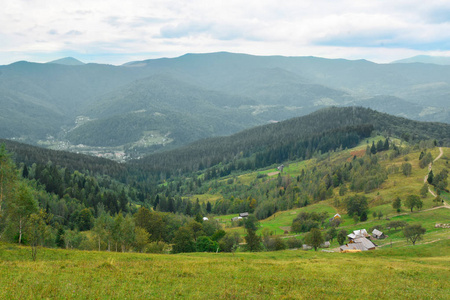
[(411, 272), (395, 270)]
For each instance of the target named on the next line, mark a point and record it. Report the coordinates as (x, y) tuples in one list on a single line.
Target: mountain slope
[(22, 115), (180, 111), (324, 130), (360, 77), (402, 108), (297, 138), (425, 59), (68, 61), (214, 94)]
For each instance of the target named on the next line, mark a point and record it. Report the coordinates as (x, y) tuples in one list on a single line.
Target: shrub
[(293, 243)]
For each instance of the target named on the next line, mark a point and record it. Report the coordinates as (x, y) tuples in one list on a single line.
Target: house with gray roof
[(378, 234), (358, 234), (360, 243)]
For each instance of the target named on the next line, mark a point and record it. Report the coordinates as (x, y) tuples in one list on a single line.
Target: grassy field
[(380, 200), (395, 270), (281, 220), (419, 272)]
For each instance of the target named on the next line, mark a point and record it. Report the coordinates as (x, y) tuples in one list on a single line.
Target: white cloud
[(376, 30)]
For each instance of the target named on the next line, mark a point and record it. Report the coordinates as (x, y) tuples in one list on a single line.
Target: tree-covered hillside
[(297, 138), (213, 94), (183, 113)]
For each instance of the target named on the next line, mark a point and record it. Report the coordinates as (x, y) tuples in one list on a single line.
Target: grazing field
[(419, 272)]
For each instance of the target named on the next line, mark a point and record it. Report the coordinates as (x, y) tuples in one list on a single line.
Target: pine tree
[(397, 204), (373, 149), (386, 144), (25, 171), (430, 177)]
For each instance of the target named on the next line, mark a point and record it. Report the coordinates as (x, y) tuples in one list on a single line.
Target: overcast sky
[(116, 32)]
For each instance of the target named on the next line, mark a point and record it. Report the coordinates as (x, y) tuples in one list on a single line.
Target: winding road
[(441, 152)]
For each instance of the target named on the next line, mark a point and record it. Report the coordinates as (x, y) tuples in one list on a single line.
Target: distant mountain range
[(438, 60), (159, 104), (68, 61)]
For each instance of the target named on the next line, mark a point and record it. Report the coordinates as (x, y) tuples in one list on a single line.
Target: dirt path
[(441, 152), (417, 211), (273, 173)]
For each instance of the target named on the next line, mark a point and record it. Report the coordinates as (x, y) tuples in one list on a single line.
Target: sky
[(116, 32)]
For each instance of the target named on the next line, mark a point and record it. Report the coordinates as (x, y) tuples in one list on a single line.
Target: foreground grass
[(419, 272)]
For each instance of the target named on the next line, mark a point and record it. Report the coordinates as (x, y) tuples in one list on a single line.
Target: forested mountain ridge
[(359, 76), (297, 138), (213, 94), (28, 155), (159, 103)]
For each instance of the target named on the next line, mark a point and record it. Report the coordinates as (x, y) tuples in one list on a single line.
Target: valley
[(163, 183), (180, 97), (121, 153), (225, 150)]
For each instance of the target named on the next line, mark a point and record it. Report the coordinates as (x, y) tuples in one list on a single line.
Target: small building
[(358, 234), (361, 244), (236, 219), (243, 215), (378, 234), (325, 244), (306, 247), (335, 217), (280, 168)]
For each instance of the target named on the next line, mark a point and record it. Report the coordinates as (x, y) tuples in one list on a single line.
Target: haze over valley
[(127, 111)]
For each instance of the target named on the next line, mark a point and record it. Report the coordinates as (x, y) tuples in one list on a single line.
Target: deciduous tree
[(414, 232), (406, 169), (314, 238), (183, 241), (342, 236), (413, 201), (397, 204), (20, 208)]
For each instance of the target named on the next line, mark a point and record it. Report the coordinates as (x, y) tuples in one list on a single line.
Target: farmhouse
[(378, 234), (360, 243), (361, 233), (325, 244), (336, 216), (240, 217)]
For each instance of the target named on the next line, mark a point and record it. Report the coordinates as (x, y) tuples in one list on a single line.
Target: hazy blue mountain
[(426, 59), (162, 92), (68, 61), (160, 103), (206, 94), (360, 78), (402, 108), (22, 115)]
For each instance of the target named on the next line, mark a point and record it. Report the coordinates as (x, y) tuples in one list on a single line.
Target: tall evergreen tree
[(373, 149)]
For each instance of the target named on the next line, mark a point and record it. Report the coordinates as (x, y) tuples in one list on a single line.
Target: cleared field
[(419, 272)]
